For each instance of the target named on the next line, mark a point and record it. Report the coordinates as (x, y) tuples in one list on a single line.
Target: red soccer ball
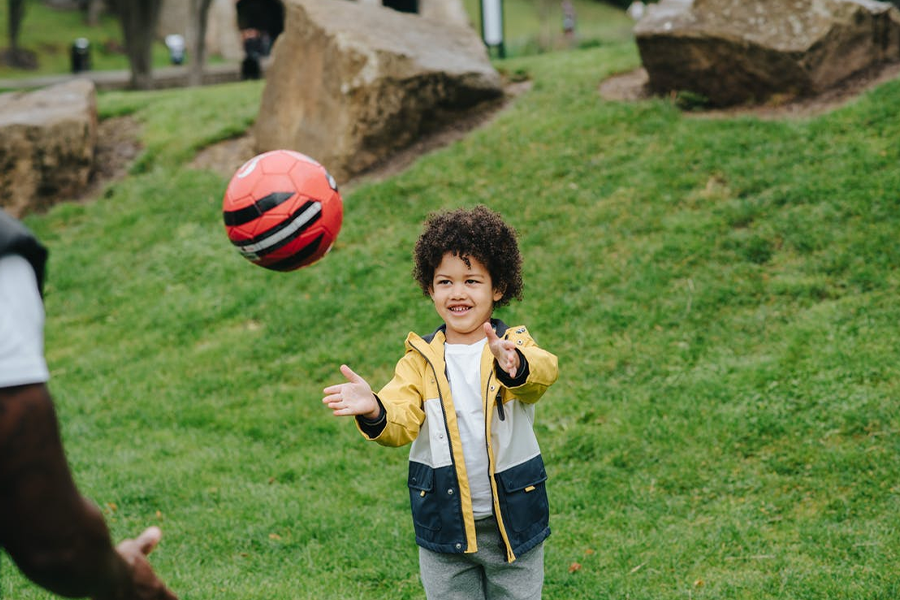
[(282, 210)]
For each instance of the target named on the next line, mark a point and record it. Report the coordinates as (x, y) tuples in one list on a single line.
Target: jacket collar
[(499, 326), (435, 340)]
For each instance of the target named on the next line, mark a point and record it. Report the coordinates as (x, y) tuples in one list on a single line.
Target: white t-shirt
[(464, 371), (21, 324)]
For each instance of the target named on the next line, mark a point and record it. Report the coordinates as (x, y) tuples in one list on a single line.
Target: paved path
[(165, 77)]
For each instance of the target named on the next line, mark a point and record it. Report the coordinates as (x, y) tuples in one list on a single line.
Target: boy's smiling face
[(464, 297)]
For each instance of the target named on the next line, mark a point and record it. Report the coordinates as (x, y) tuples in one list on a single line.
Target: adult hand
[(352, 398), (147, 585), (503, 350)]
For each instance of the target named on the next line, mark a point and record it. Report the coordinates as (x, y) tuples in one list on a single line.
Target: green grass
[(49, 33), (722, 296), (535, 26)]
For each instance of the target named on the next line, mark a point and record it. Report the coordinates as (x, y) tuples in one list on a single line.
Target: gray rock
[(47, 141), (737, 51), (445, 11), (350, 84)]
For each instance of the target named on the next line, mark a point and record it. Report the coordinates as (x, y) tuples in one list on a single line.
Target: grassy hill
[(721, 293)]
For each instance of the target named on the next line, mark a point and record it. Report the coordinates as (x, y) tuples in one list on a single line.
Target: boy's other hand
[(503, 350), (352, 398)]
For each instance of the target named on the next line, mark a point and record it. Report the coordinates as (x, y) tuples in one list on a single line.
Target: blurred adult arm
[(56, 537)]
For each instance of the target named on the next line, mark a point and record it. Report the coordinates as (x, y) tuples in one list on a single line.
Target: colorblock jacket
[(419, 410)]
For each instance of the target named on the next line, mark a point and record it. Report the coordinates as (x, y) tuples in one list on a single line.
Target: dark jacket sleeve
[(373, 428), (521, 374)]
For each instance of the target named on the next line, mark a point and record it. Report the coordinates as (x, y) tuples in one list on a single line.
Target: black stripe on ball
[(284, 224), (255, 210), (292, 262)]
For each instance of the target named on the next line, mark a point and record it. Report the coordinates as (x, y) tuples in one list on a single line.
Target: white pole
[(492, 21)]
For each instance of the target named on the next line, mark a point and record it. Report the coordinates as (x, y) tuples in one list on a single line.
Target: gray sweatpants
[(484, 575)]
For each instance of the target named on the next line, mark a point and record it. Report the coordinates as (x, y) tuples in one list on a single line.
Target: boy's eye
[(472, 281)]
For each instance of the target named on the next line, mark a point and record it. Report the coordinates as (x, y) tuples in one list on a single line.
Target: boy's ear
[(498, 293)]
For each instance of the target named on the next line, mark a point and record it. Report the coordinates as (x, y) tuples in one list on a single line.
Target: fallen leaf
[(574, 567), (588, 551), (274, 536), (698, 583)]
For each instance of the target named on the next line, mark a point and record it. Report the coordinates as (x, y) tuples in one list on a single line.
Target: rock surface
[(47, 141), (446, 11), (738, 51), (350, 84)]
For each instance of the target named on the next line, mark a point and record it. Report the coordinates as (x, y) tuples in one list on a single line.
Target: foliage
[(721, 294), (535, 26), (49, 33), (531, 27)]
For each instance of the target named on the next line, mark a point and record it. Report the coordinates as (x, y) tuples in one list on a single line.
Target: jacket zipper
[(437, 384), (491, 466)]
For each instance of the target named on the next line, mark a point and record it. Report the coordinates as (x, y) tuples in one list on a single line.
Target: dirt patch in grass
[(118, 144), (632, 86)]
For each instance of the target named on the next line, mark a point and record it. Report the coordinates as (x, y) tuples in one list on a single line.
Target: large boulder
[(445, 11), (350, 84), (47, 141), (738, 51)]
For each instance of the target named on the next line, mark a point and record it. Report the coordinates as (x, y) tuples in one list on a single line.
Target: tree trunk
[(196, 34), (15, 56), (139, 19), (16, 13), (94, 8)]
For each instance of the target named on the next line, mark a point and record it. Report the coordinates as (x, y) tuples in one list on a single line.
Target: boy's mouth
[(459, 309)]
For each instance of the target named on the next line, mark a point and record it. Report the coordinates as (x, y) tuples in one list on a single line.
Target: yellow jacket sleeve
[(543, 369), (403, 398)]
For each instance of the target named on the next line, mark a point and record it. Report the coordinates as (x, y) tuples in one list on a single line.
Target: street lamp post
[(492, 25)]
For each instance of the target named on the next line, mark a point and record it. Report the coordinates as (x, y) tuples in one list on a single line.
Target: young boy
[(464, 398)]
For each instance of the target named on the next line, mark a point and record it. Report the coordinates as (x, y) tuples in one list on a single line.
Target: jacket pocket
[(523, 496), (422, 499)]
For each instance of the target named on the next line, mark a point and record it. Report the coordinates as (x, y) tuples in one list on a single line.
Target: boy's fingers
[(331, 398), (350, 375)]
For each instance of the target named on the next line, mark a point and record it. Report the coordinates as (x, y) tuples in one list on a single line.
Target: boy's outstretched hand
[(352, 398), (503, 350)]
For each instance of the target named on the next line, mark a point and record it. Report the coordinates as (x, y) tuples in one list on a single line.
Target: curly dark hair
[(479, 233)]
